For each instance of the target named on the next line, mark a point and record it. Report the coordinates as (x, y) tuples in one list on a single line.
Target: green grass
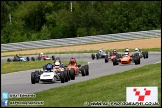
[(108, 88), (8, 67), (91, 51)]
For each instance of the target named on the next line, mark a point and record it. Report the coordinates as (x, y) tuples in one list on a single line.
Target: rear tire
[(53, 57), (28, 59), (32, 58), (146, 54), (106, 59), (115, 61), (136, 60), (9, 60), (72, 74), (87, 69), (83, 71), (97, 56)]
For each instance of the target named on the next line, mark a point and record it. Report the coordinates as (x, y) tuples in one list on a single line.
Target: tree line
[(40, 20)]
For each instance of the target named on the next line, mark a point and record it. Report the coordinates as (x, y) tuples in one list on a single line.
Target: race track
[(19, 82)]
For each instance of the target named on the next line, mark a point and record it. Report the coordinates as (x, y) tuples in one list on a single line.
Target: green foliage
[(37, 20)]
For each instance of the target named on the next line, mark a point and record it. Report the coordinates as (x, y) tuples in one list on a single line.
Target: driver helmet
[(136, 49), (57, 59), (41, 53), (126, 54), (57, 64), (100, 50), (72, 60), (114, 51), (126, 50), (48, 67)]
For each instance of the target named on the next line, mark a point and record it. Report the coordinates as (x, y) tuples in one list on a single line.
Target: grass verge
[(108, 88), (90, 51), (8, 67)]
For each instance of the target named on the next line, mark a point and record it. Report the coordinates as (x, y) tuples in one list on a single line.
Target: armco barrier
[(80, 40)]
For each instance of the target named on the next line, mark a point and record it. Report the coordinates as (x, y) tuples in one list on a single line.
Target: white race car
[(100, 54), (53, 75)]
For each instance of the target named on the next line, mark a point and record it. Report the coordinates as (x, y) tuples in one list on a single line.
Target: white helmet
[(136, 49), (41, 53), (126, 53), (57, 64), (127, 50)]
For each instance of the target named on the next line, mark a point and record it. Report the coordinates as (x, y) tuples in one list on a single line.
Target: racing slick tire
[(53, 57), (27, 58), (119, 56), (97, 56), (39, 58), (106, 59), (32, 59), (115, 62), (83, 71), (93, 56), (33, 77), (66, 75), (146, 54), (87, 69), (72, 74), (9, 60), (136, 60), (62, 77), (139, 60), (37, 73)]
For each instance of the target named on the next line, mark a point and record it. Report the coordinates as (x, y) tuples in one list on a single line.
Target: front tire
[(62, 77), (66, 76), (33, 78), (93, 56)]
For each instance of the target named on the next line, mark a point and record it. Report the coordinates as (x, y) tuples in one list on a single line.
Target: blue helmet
[(48, 67)]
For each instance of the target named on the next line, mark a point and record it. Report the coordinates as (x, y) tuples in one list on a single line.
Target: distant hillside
[(39, 20)]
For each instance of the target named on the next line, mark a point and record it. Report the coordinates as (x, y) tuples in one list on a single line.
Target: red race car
[(43, 57)]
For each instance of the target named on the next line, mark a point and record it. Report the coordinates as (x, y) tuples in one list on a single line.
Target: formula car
[(141, 54), (100, 54), (74, 69), (51, 74), (112, 56), (126, 59), (43, 57), (17, 58)]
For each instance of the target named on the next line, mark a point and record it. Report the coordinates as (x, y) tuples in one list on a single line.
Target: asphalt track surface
[(20, 82)]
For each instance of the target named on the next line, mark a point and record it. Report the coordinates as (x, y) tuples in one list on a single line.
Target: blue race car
[(18, 58)]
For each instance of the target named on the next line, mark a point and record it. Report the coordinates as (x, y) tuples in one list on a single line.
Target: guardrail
[(80, 40)]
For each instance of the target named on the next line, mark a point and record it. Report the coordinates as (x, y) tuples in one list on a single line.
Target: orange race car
[(126, 58), (75, 69)]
